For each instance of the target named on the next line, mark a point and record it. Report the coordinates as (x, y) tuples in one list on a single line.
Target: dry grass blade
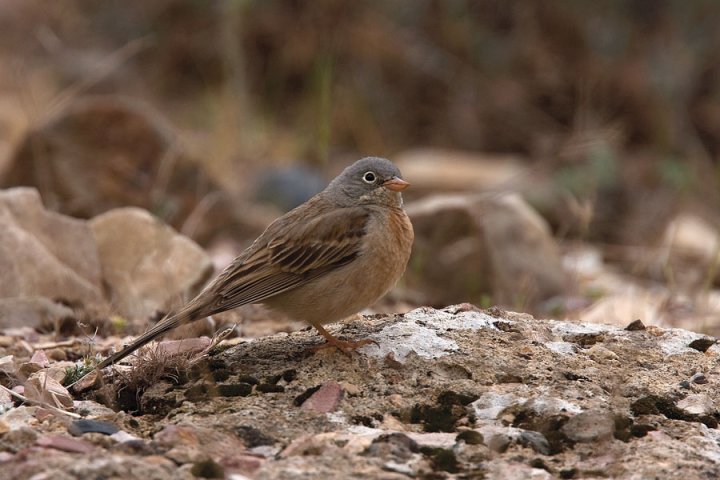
[(39, 403)]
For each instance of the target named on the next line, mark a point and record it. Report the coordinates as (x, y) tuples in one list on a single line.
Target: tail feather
[(161, 328)]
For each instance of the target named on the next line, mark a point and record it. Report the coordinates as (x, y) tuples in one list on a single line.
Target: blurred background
[(563, 154)]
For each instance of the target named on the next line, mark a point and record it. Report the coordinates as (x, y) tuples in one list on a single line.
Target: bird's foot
[(345, 346)]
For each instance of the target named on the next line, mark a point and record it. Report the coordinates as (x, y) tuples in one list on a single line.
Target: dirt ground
[(453, 393)]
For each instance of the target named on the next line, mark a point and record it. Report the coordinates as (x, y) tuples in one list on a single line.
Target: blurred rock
[(471, 247), (590, 426), (66, 444), (43, 388), (526, 262), (624, 307), (432, 170), (146, 265), (32, 312), (43, 253), (690, 251), (326, 399), (104, 152), (288, 187), (698, 404)]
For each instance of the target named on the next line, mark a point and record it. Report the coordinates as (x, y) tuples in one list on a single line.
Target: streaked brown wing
[(293, 257)]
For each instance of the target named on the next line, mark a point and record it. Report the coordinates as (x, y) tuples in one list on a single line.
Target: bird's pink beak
[(396, 184)]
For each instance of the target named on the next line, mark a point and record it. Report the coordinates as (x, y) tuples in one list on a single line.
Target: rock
[(287, 187), (8, 365), (635, 326), (43, 253), (697, 404), (326, 399), (19, 417), (87, 382), (702, 344), (536, 441), (32, 311), (39, 358), (690, 245), (453, 170), (590, 426), (620, 308), (526, 262), (468, 247), (43, 388), (66, 444), (491, 404), (147, 267), (699, 378), (79, 427), (499, 442), (105, 152), (191, 443), (6, 401)]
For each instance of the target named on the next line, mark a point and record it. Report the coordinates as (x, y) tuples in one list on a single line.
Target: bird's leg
[(345, 346)]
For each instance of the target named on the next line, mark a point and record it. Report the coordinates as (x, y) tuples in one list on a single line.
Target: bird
[(329, 258)]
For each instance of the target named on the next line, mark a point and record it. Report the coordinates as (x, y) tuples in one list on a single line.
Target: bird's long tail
[(182, 317)]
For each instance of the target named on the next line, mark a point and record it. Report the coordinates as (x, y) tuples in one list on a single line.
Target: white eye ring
[(369, 177)]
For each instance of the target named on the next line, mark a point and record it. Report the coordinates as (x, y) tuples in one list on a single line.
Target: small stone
[(326, 399), (699, 378), (568, 473), (89, 381), (599, 353), (252, 437), (79, 427), (40, 358), (65, 444), (590, 426), (248, 379), (641, 429), (471, 437), (6, 401), (7, 364), (536, 441), (92, 409), (635, 326), (270, 388), (122, 436), (702, 344), (697, 404), (350, 388), (245, 464), (56, 354), (685, 384), (499, 442), (208, 469), (41, 387), (234, 390)]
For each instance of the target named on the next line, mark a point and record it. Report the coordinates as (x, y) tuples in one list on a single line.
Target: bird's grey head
[(371, 180)]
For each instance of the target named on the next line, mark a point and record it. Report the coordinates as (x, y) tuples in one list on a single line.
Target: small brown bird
[(327, 259)]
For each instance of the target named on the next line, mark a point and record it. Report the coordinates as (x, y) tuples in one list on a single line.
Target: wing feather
[(276, 262)]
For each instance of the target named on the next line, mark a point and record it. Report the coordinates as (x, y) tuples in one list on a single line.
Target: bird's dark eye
[(369, 177)]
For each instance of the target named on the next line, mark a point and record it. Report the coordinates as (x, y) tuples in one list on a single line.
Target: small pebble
[(702, 344), (79, 427), (699, 378), (635, 326)]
